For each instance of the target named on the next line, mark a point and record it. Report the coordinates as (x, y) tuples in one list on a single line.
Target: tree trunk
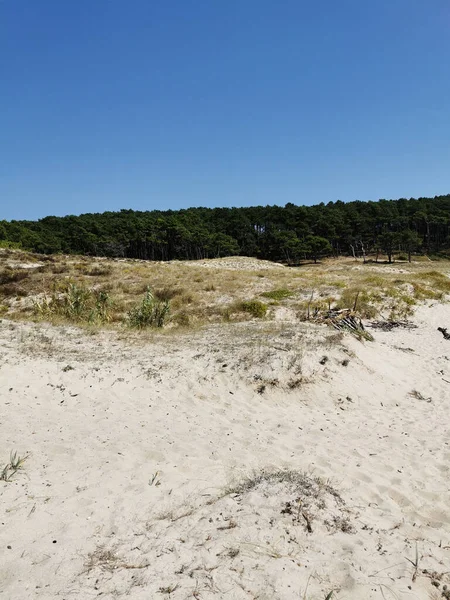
[(363, 252)]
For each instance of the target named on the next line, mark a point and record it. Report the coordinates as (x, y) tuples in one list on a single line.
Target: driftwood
[(343, 320), (390, 325), (443, 330)]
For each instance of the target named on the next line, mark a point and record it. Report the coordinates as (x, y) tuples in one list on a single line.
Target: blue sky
[(144, 104)]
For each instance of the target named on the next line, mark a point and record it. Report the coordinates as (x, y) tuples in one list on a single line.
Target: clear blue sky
[(108, 104)]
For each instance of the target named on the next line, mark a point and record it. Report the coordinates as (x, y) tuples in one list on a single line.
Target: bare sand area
[(265, 459)]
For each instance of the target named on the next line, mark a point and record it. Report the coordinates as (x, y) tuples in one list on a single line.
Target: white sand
[(81, 519)]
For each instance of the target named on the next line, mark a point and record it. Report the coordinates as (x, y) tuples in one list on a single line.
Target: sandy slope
[(133, 446)]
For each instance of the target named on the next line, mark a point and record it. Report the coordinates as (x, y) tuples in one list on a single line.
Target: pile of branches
[(343, 320), (390, 325)]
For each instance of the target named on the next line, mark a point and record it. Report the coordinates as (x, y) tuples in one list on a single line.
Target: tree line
[(290, 233)]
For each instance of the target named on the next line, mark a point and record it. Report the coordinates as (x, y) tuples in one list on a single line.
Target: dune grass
[(106, 292)]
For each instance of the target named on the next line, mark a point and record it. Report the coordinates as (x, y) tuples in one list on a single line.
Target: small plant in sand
[(169, 589), (149, 313), (10, 469)]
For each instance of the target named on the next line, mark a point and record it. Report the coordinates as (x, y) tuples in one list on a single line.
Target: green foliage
[(291, 233), (77, 304), (254, 307), (278, 294), (317, 246), (151, 312), (410, 242), (387, 242), (8, 244)]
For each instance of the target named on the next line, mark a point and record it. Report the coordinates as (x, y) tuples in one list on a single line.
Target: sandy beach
[(257, 460)]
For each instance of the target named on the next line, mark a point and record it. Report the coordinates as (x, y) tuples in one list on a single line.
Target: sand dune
[(276, 460)]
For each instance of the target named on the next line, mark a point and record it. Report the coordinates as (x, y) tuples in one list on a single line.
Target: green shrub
[(278, 294), (254, 307), (149, 313)]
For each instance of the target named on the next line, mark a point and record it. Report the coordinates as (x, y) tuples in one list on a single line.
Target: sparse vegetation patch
[(76, 303)]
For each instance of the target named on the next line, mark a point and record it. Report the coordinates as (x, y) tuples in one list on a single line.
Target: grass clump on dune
[(9, 275), (151, 312), (254, 307), (439, 282), (359, 300)]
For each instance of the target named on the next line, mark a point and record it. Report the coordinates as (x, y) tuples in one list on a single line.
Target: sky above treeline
[(106, 104)]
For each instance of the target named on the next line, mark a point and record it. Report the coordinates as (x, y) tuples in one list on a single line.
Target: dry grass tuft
[(99, 271), (9, 275), (299, 482), (108, 560)]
